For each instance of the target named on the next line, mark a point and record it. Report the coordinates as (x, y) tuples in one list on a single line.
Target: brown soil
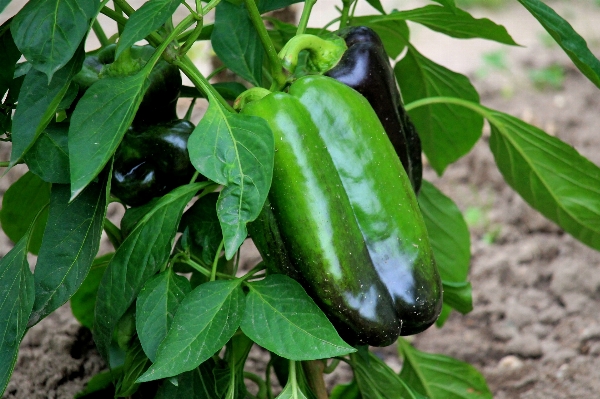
[(535, 329)]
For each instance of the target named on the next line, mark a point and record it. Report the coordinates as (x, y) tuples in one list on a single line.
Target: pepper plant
[(170, 310)]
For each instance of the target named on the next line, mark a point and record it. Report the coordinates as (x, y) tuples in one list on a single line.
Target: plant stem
[(252, 272), (480, 109), (333, 21), (192, 37), (353, 9), (279, 77), (204, 35), (216, 72), (212, 4), (314, 374), (124, 6), (345, 11), (308, 5), (199, 268), (187, 117), (102, 38), (332, 366), (189, 69), (213, 274), (4, 164), (183, 25), (115, 16), (268, 378), (262, 386), (113, 233)]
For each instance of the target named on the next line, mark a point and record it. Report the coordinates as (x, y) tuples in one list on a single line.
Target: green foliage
[(188, 314), (447, 131), (244, 166), (282, 318), (21, 204), (440, 377), (551, 77)]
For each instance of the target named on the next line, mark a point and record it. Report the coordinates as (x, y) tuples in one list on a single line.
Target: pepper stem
[(254, 94), (323, 54)]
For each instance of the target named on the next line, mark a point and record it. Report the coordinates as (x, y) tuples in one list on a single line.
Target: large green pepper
[(382, 206)]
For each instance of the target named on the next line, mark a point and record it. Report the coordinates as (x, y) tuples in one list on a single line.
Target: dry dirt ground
[(535, 329)]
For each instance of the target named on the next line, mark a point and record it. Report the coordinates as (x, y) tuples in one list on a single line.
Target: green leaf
[(375, 380), (571, 42), (49, 156), (291, 391), (99, 123), (270, 5), (71, 241), (134, 214), (10, 56), (451, 243), (447, 3), (148, 18), (452, 22), (345, 391), (236, 151), (136, 363), (549, 174), (458, 295), (205, 320), (376, 4), (20, 205), (236, 354), (196, 384), (83, 301), (138, 258), (155, 307), (444, 314), (48, 32), (448, 233), (281, 317), (37, 105), (393, 33), (101, 385), (204, 228), (3, 4), (16, 301), (236, 42), (440, 377), (447, 131)]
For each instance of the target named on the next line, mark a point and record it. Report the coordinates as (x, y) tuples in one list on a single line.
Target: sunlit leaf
[(439, 376), (236, 151), (281, 317), (205, 320)]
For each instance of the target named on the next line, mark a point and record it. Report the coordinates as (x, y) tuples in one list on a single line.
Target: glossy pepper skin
[(160, 100), (365, 67), (381, 195), (308, 230), (152, 161), (366, 172)]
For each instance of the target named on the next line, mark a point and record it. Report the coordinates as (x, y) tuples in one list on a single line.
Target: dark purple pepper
[(366, 67)]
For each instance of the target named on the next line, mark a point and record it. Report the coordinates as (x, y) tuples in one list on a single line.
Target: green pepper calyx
[(324, 54)]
